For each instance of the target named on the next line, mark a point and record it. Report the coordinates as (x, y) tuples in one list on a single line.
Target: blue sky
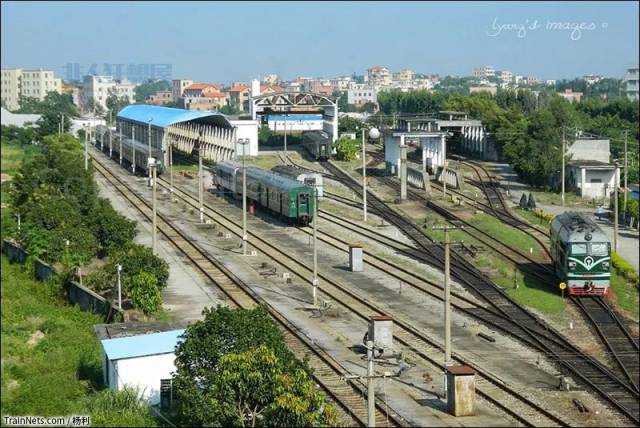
[(237, 41)]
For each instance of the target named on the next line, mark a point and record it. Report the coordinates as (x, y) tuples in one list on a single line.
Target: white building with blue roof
[(154, 131), (138, 355)]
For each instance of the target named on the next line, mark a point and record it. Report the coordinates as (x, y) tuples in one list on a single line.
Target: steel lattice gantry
[(299, 103)]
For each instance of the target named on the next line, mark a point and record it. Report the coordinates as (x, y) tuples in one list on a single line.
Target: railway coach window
[(579, 249), (601, 249)]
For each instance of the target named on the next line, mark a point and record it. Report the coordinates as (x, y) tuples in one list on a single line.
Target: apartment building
[(37, 84), (484, 72), (378, 76), (97, 89), (362, 94), (631, 80), (405, 75)]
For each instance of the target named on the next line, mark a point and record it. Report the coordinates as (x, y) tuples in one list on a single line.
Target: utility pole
[(171, 169), (364, 177), (243, 143), (315, 243), (119, 269), (133, 149), (18, 215), (562, 172), (200, 179), (371, 394), (110, 143), (285, 134), (120, 141), (149, 138), (444, 169), (626, 174), (371, 397), (615, 210), (447, 297), (153, 200), (86, 150)]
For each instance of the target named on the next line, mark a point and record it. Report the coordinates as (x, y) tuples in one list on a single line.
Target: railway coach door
[(303, 204)]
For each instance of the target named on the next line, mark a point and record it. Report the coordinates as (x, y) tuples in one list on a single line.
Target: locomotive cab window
[(578, 249), (599, 249)]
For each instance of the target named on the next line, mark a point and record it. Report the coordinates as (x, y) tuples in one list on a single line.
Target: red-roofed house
[(238, 96), (200, 89), (270, 89), (203, 97)]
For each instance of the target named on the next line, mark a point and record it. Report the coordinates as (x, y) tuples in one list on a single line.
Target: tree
[(150, 87), (136, 258), (115, 104), (349, 124), (113, 230), (144, 293), (234, 366), (251, 389), (346, 149), (17, 135), (53, 105)]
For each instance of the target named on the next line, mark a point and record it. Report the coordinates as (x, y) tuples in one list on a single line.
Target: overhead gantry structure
[(298, 103)]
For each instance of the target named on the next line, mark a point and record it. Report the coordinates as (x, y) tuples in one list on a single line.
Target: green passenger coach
[(281, 195)]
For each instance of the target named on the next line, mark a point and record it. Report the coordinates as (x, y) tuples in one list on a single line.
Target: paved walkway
[(628, 242)]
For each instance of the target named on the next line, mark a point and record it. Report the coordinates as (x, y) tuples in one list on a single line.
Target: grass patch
[(507, 234), (13, 155), (51, 359), (625, 294), (265, 161)]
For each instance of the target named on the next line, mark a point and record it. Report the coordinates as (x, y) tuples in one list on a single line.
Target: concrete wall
[(143, 373), (14, 252), (597, 150), (43, 270), (89, 301)]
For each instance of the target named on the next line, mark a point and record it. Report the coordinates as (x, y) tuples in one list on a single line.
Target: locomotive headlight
[(606, 265), (572, 265)]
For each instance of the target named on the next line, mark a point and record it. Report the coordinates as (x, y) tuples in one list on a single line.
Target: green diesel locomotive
[(581, 254), (282, 195)]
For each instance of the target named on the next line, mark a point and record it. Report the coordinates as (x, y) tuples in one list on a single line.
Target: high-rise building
[(631, 79), (18, 83)]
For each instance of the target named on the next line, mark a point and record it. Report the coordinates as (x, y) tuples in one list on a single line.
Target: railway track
[(614, 335), (526, 326), (493, 389), (349, 396), (623, 348)]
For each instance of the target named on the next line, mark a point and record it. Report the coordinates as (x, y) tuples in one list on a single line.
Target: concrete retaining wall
[(89, 301), (43, 270), (77, 294), (14, 252)]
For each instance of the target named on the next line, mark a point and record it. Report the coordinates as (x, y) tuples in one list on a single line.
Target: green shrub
[(135, 259), (346, 149), (624, 267), (144, 293)]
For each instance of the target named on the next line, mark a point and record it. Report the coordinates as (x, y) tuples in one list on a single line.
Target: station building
[(590, 174), (183, 130)]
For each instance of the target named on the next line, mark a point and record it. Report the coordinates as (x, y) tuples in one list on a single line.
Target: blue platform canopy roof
[(163, 117), (142, 345)]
